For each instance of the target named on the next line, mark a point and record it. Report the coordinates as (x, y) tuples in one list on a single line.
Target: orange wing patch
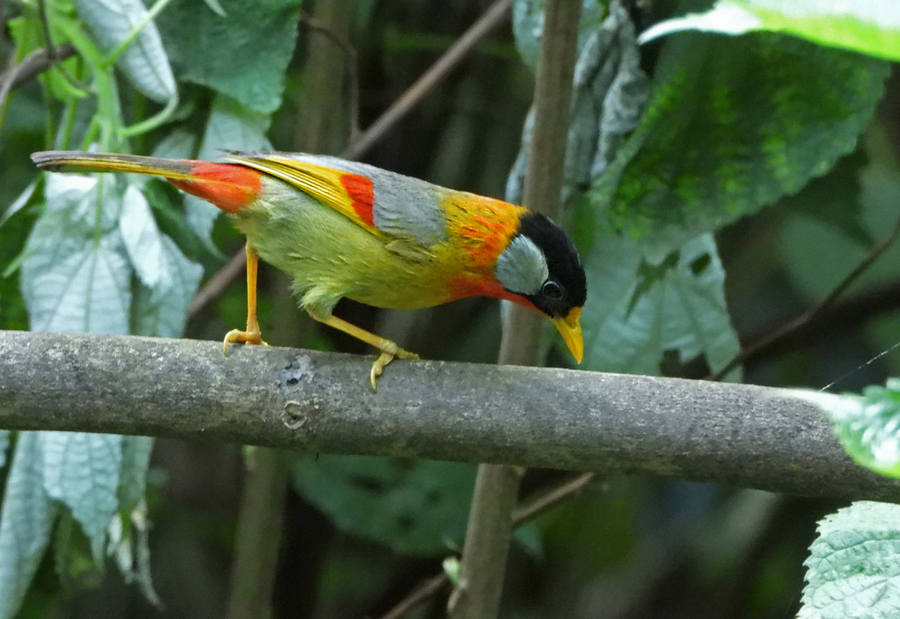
[(351, 195)]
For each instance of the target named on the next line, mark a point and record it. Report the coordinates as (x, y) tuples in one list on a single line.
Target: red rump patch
[(229, 186), (361, 192)]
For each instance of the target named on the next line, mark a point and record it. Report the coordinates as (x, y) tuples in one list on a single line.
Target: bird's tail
[(66, 161), (229, 186)]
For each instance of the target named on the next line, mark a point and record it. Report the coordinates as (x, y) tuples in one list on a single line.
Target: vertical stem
[(259, 536), (490, 521), (261, 519)]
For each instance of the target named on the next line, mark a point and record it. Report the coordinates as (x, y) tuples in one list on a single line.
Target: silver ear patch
[(522, 267)]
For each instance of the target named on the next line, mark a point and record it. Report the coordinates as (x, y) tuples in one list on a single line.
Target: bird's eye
[(552, 290)]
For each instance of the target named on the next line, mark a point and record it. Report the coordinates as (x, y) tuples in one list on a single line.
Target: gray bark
[(736, 435)]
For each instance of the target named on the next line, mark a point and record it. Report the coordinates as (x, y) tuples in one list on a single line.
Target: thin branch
[(483, 563), (466, 44), (31, 66), (785, 330), (532, 509), (551, 498), (493, 18), (425, 591), (218, 282)]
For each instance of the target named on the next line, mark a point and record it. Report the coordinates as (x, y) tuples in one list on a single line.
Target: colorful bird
[(346, 229)]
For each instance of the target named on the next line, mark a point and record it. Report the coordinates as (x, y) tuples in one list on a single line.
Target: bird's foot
[(253, 337), (388, 353)]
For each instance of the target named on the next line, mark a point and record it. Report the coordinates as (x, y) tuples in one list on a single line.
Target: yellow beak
[(570, 329)]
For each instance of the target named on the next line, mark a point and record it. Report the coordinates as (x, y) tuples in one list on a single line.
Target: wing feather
[(350, 194)]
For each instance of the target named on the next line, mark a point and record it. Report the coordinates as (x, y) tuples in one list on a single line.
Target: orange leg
[(389, 350), (252, 334)]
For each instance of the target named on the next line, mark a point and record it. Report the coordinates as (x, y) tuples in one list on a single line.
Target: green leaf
[(4, 446), (128, 533), (528, 25), (242, 54), (25, 523), (646, 310), (144, 61), (414, 507), (81, 471), (733, 124), (136, 452), (231, 126), (867, 27), (867, 426), (853, 571), (76, 565), (75, 275)]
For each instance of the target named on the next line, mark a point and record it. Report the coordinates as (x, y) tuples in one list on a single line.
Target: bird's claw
[(386, 357), (247, 337)]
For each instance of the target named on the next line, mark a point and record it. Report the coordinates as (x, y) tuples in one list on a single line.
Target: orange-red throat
[(229, 186)]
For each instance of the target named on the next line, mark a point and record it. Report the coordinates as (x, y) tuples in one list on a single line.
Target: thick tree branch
[(737, 435)]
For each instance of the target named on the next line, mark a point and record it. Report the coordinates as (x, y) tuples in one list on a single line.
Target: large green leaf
[(168, 280), (242, 54), (733, 124), (853, 571), (414, 507), (25, 523), (871, 27), (81, 471), (637, 311), (144, 61), (4, 446), (231, 126)]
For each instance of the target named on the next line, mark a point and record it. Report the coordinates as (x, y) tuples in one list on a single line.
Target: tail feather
[(63, 161), (229, 186)]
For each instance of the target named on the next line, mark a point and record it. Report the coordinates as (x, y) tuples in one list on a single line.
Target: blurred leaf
[(76, 565), (81, 471), (143, 241), (871, 27), (733, 124), (646, 310), (178, 144), (868, 426), (853, 570), (610, 91), (136, 452), (4, 446), (128, 532), (25, 523), (528, 24), (144, 61), (231, 126), (19, 203), (820, 249), (242, 54), (75, 275), (415, 507), (834, 199)]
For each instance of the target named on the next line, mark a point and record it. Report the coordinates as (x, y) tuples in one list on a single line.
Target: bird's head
[(541, 269)]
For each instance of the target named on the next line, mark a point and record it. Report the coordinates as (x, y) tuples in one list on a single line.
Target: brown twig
[(802, 320), (471, 38), (495, 16), (32, 65), (528, 512)]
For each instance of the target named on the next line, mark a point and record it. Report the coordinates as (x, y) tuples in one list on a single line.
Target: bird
[(348, 229)]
